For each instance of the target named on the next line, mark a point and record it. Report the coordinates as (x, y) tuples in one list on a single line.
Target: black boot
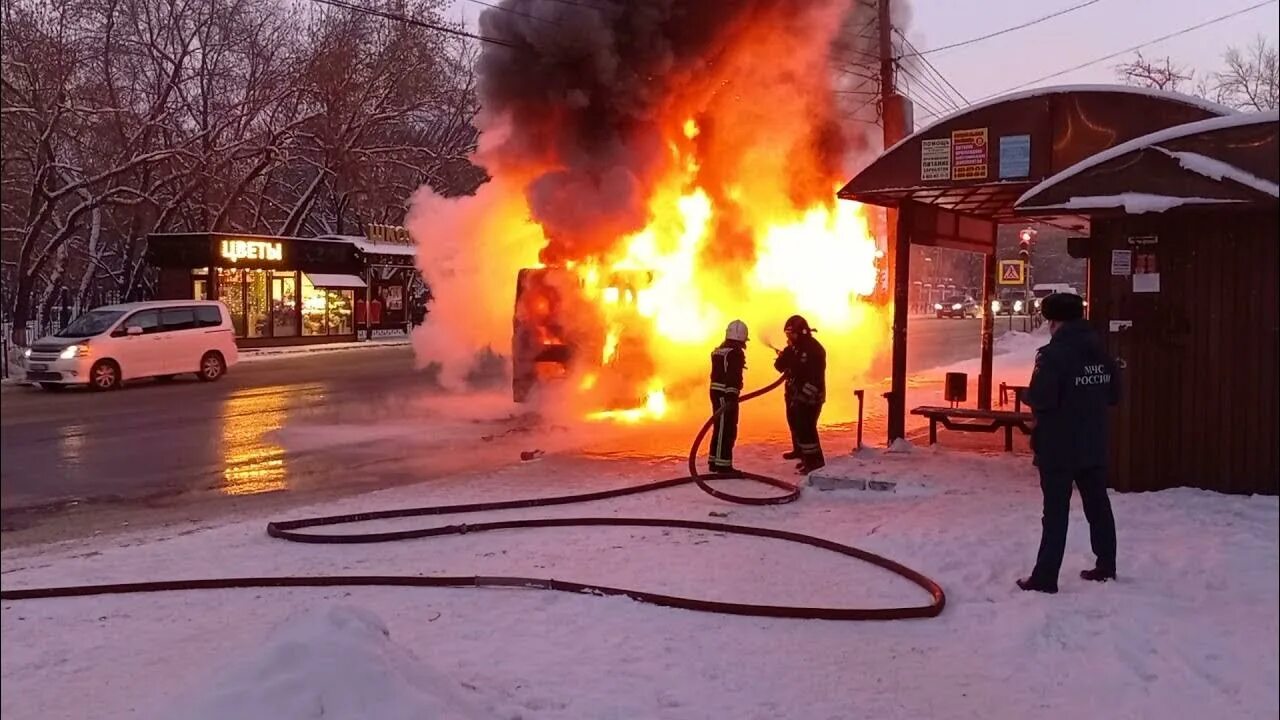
[(1031, 584), (791, 455), (1098, 575)]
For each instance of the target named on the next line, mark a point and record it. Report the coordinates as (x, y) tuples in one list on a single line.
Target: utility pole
[(895, 114), (886, 63)]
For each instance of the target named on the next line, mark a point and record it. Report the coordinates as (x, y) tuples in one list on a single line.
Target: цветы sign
[(234, 250)]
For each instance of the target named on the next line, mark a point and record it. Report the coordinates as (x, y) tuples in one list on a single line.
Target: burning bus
[(583, 327)]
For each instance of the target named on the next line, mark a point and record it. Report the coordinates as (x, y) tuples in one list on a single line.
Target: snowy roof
[(364, 244), (1134, 203), (1194, 162), (1173, 133), (1059, 89)]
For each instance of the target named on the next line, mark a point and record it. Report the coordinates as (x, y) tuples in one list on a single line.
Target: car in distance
[(956, 307), (110, 345)]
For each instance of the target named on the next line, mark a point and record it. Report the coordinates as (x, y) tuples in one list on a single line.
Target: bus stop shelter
[(1183, 250), (954, 182)]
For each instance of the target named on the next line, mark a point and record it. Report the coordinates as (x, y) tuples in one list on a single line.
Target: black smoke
[(586, 84)]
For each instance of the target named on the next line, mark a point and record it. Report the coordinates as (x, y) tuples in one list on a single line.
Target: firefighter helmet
[(798, 325), (737, 330)]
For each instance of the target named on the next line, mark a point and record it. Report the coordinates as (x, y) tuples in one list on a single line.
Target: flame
[(819, 261)]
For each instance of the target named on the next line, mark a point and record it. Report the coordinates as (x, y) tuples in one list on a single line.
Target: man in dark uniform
[(1073, 384), (804, 361), (727, 365)]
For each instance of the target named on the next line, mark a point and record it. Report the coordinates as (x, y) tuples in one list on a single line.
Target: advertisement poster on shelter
[(1015, 156), (935, 159), (969, 154)]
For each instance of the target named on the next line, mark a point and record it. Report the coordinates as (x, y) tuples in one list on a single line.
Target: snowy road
[(286, 424)]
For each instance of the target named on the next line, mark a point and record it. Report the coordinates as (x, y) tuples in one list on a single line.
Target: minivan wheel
[(212, 367), (104, 375)]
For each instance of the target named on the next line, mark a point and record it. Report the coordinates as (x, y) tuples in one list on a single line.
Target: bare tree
[(126, 117), (1251, 78), (1160, 74)]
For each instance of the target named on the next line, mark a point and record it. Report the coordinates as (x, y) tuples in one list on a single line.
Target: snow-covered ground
[(1189, 631)]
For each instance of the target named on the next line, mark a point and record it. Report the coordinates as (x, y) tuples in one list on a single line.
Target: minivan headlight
[(955, 306), (74, 351), (26, 353)]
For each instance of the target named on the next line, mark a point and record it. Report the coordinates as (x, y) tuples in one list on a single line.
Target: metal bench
[(970, 420), (1019, 393)]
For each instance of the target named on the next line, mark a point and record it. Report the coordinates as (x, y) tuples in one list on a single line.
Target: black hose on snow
[(288, 530)]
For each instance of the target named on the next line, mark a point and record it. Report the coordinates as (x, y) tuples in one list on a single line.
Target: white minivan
[(115, 343)]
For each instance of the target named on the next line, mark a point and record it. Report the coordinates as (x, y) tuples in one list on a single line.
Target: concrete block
[(857, 479), (820, 480)]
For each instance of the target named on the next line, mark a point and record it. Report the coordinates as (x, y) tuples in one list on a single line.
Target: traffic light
[(1026, 237)]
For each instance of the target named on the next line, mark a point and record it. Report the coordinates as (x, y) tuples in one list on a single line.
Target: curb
[(264, 355)]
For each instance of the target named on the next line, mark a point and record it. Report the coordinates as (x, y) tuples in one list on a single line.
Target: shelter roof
[(1225, 161), (980, 160)]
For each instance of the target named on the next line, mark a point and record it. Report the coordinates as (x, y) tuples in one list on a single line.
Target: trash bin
[(956, 387)]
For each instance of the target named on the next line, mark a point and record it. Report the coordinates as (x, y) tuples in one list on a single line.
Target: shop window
[(256, 308), (340, 306), (231, 293), (313, 306), (200, 283), (325, 311), (284, 304)]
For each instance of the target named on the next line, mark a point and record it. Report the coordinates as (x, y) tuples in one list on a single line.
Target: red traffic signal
[(1026, 238)]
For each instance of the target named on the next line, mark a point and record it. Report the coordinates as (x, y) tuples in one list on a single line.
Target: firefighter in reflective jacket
[(804, 361), (727, 365)]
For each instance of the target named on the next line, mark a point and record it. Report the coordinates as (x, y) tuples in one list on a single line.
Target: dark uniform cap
[(797, 324), (1062, 307)]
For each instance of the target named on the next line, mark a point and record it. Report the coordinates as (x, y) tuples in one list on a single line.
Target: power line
[(414, 21), (513, 11), (1135, 48), (930, 66), (920, 101), (934, 92), (988, 36), (583, 4), (913, 91)]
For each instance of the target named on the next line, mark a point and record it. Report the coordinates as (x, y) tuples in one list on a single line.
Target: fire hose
[(289, 530)]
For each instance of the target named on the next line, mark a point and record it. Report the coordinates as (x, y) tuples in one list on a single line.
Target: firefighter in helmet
[(804, 362), (727, 365)]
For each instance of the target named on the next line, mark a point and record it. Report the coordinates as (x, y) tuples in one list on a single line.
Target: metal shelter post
[(988, 323), (901, 286)]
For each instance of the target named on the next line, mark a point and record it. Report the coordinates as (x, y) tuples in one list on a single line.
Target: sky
[(992, 66)]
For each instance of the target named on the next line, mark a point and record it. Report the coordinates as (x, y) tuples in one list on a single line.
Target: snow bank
[(1014, 355), (278, 353), (337, 661)]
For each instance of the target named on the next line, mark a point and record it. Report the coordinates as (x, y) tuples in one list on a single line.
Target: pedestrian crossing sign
[(1013, 272)]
